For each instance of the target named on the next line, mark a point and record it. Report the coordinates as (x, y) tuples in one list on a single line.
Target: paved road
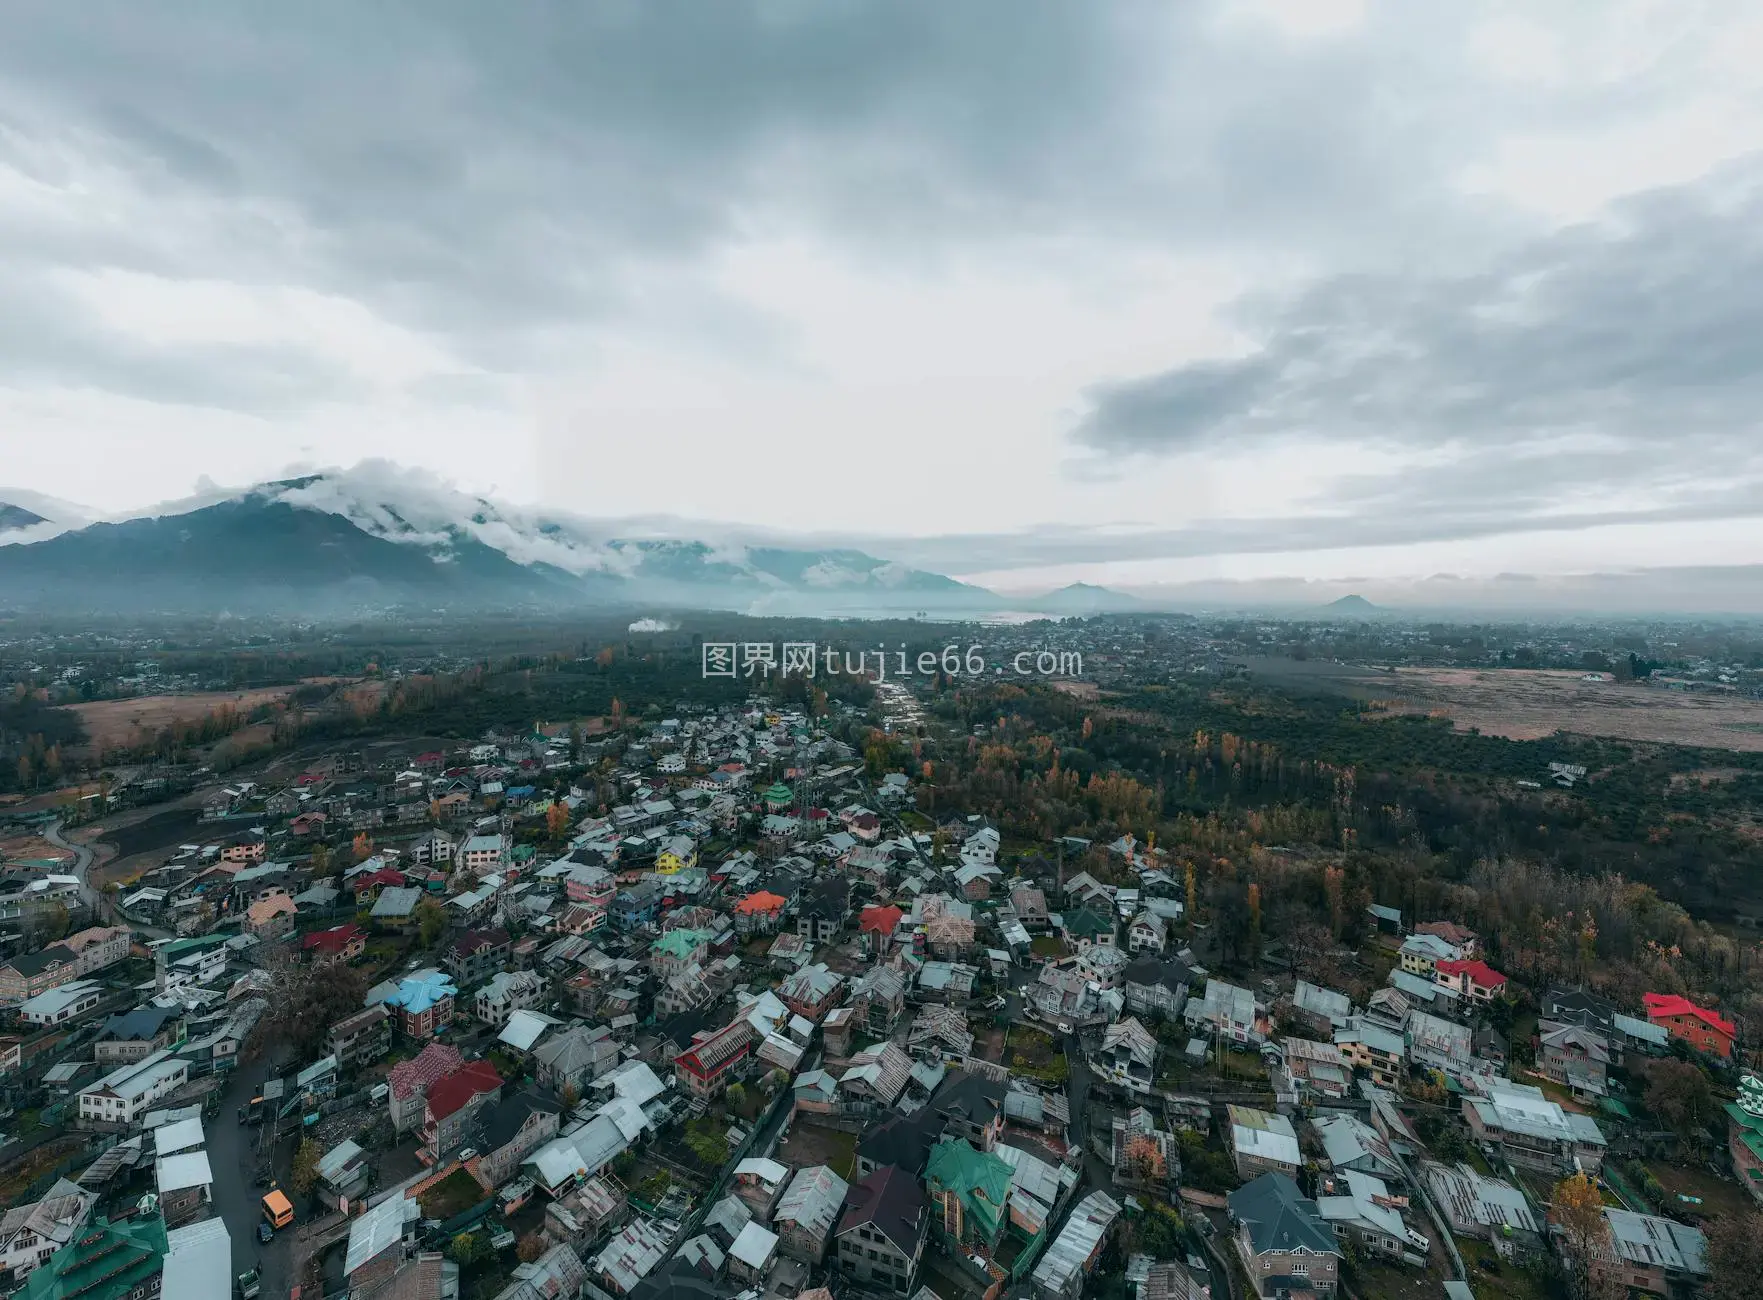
[(82, 861), (233, 1159), (96, 899)]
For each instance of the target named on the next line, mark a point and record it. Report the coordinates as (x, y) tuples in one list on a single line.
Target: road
[(96, 899), (232, 1157)]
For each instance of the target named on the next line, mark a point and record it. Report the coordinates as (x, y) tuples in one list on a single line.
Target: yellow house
[(676, 855)]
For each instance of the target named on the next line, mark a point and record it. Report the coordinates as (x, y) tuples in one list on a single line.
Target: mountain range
[(348, 540)]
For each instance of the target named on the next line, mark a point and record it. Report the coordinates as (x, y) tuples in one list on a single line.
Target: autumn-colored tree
[(530, 1248), (1254, 918), (557, 819), (1578, 1210), (1193, 895), (362, 848)]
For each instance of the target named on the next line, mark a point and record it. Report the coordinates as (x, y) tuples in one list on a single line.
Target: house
[(1460, 937), (812, 991), (877, 1074), (506, 993), (1147, 932), (1030, 905), (1075, 1252), (677, 853), (422, 1003), (1315, 1069), (1653, 1255), (970, 1190), (362, 1038), (29, 974), (760, 912), (1530, 1130), (678, 951), (32, 1232), (1474, 981), (824, 909), (878, 1000), (453, 1102), (1128, 1054), (63, 1003), (709, 1065), (1442, 1045), (1744, 1135), (506, 1131), (635, 1252), (409, 1083), (1323, 1010), (128, 1092), (395, 909), (1361, 1209), (132, 1035), (1385, 920), (877, 924), (1263, 1142), (1352, 1144), (1704, 1030), (1227, 1012), (482, 853), (1378, 1050), (573, 1059), (1576, 1057), (478, 954), (1082, 926), (882, 1231), (105, 1260), (1579, 1007), (637, 905), (752, 1253), (338, 944), (1421, 953), (1485, 1208), (270, 917), (1285, 1244), (808, 1212), (1156, 988), (343, 1173)]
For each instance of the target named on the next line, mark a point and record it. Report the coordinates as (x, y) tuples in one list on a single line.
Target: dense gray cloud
[(1644, 330), (508, 196)]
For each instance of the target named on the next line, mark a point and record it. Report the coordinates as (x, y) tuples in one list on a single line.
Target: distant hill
[(375, 536), (1082, 599), (1352, 605), (12, 516)]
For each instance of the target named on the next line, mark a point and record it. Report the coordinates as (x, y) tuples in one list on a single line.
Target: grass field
[(113, 724)]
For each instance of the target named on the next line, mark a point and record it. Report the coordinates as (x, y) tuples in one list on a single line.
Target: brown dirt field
[(30, 847), (1530, 704), (113, 723), (1081, 690)]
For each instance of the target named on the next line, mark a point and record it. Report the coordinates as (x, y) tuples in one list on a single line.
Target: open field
[(112, 724), (1528, 704), (810, 1144)]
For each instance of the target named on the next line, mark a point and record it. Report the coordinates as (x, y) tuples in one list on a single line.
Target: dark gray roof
[(141, 1023), (889, 1199), (1280, 1217), (35, 963)]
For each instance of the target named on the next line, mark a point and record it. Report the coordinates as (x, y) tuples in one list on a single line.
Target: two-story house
[(882, 1231), (477, 954), (1285, 1244), (452, 1105)]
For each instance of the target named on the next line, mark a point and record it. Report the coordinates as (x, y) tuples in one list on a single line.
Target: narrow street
[(233, 1158), (96, 899)]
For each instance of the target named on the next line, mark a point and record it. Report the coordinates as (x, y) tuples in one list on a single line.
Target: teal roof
[(978, 1179), (105, 1262), (680, 943)]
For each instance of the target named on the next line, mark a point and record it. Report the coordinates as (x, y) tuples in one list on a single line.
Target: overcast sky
[(1038, 291)]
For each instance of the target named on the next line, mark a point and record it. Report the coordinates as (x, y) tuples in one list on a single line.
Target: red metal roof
[(1664, 1006), (1478, 971), (458, 1088)]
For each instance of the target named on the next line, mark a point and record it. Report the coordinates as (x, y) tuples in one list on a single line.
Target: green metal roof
[(105, 1262), (779, 793), (679, 943), (980, 1180)]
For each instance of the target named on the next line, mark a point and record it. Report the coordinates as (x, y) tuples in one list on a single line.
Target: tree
[(305, 1174), (557, 820), (430, 922), (1678, 1093), (1578, 1209), (321, 859), (530, 1248), (1735, 1257), (737, 1095), (363, 846)]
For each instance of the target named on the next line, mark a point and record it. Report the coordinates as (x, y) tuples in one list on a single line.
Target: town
[(732, 1002)]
